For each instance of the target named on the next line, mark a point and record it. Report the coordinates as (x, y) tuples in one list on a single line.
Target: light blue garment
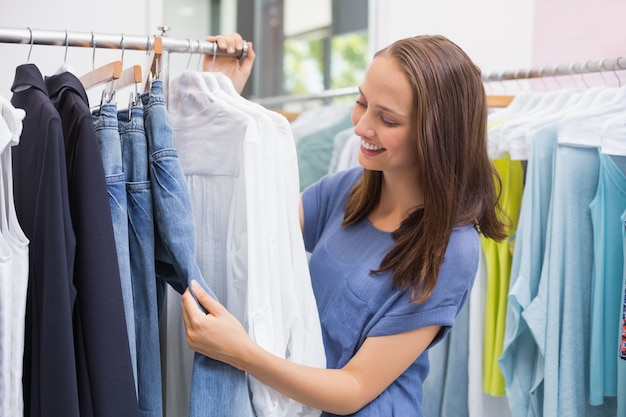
[(606, 304), (105, 125), (519, 351), (621, 374), (216, 388), (143, 275), (445, 388), (559, 315)]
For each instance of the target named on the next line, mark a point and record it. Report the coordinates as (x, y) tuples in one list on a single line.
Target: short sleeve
[(455, 281)]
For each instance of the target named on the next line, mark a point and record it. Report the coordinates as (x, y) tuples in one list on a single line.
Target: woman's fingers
[(229, 43), (209, 303), (217, 334)]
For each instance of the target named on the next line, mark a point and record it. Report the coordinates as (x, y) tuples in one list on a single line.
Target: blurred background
[(305, 47)]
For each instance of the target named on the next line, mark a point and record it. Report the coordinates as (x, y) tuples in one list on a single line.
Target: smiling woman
[(394, 244)]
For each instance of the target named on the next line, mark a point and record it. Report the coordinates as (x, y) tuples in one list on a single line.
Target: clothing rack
[(110, 41), (575, 68), (161, 43)]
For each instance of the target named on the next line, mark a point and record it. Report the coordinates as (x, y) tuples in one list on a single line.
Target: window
[(304, 47)]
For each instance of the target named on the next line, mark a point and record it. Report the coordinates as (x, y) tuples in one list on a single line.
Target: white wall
[(508, 35), (496, 34), (132, 17)]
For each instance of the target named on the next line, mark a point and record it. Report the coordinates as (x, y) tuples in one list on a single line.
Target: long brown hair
[(460, 184)]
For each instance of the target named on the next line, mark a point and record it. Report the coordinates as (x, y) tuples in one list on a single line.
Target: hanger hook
[(31, 44), (148, 45), (522, 74), (572, 71), (619, 80), (66, 47), (517, 77), (500, 80), (582, 75), (586, 70), (214, 55), (190, 49), (93, 56), (555, 73), (199, 66), (541, 78), (122, 47), (502, 83), (601, 65)]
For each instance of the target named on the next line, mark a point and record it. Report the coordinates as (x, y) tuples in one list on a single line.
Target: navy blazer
[(101, 340)]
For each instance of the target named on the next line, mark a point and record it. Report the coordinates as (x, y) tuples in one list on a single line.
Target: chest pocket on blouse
[(344, 322)]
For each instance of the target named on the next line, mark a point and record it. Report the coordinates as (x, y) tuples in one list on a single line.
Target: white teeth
[(371, 147)]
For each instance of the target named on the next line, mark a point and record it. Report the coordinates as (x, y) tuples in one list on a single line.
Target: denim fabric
[(105, 125), (143, 275), (217, 388)]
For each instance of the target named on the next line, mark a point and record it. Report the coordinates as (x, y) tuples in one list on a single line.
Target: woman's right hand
[(238, 70), (216, 334)]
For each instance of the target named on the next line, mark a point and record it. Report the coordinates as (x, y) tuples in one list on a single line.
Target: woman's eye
[(361, 104), (388, 122)]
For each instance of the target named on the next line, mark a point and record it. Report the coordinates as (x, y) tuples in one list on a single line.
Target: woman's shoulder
[(337, 183), (463, 249), (465, 237), (346, 177)]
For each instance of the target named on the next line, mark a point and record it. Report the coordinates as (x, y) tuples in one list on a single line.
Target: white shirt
[(13, 269), (249, 153)]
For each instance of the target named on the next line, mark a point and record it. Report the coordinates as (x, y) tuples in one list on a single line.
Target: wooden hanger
[(155, 55), (153, 63), (499, 101), (104, 74), (129, 76)]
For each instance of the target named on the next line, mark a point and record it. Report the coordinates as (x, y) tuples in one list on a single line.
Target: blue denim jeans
[(217, 389), (105, 125), (143, 274)]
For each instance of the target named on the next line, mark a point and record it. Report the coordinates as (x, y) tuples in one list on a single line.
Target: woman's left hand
[(217, 334), (238, 70)]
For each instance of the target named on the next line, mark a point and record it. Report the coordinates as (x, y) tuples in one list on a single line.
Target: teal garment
[(621, 374), (315, 151), (606, 303), (340, 140)]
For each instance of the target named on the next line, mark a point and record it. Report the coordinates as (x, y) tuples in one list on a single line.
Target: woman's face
[(382, 118)]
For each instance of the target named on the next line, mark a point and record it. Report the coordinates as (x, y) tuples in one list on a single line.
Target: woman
[(395, 243)]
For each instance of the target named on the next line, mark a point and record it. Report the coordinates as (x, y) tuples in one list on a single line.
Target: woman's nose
[(361, 127)]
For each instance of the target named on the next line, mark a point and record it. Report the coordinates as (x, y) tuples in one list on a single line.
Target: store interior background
[(498, 35)]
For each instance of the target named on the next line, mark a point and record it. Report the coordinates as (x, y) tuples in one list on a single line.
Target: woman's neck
[(399, 197)]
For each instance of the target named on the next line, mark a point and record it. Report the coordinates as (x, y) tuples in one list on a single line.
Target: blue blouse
[(354, 304)]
